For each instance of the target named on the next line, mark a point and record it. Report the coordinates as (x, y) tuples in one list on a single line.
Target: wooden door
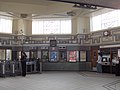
[(94, 57)]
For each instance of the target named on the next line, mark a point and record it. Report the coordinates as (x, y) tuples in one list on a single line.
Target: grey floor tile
[(60, 81)]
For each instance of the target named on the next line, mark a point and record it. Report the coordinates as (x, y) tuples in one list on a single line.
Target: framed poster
[(45, 54), (72, 56), (53, 56), (82, 55)]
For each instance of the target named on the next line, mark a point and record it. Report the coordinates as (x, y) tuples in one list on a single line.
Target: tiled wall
[(109, 36)]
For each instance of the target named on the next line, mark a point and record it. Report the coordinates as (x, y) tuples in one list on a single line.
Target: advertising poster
[(72, 56), (45, 54), (53, 56), (82, 55)]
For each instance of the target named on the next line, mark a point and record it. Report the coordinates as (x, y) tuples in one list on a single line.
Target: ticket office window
[(5, 54), (28, 54), (62, 56), (2, 54), (33, 54), (8, 54)]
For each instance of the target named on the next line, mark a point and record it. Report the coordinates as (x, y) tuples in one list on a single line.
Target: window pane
[(96, 23), (2, 54), (5, 25), (51, 26), (106, 20), (109, 20), (8, 54), (66, 27)]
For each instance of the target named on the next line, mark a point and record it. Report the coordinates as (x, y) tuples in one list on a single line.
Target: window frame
[(60, 20)]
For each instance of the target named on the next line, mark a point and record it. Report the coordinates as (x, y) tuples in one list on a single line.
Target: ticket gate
[(2, 69), (7, 68), (33, 67)]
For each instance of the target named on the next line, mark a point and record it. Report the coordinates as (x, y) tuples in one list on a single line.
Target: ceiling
[(115, 4), (47, 8), (36, 2)]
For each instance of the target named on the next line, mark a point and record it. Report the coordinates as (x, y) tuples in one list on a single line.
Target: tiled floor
[(62, 81)]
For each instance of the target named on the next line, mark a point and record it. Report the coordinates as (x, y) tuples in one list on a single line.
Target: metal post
[(13, 68), (3, 69), (40, 67), (34, 66)]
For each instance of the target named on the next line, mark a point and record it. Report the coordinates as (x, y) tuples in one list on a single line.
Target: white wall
[(81, 25), (24, 25), (74, 25), (15, 26), (28, 27)]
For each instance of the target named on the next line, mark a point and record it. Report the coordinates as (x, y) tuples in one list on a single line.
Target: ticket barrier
[(29, 66), (13, 68), (33, 67), (39, 66), (2, 69), (17, 67), (6, 68), (9, 68)]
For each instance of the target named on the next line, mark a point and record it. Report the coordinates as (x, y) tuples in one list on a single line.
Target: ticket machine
[(106, 59), (62, 54)]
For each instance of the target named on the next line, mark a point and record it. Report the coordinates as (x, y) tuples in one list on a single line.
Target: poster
[(53, 56), (45, 54), (72, 56), (82, 55)]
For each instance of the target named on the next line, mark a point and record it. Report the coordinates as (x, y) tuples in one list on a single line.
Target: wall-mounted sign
[(106, 33)]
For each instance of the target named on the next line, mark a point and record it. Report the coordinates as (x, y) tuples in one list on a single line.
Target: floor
[(57, 80)]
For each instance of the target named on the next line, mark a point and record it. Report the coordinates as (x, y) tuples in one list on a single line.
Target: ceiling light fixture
[(87, 6)]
